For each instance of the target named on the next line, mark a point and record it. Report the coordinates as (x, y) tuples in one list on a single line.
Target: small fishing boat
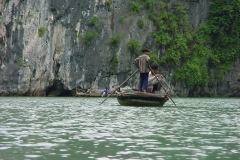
[(136, 98)]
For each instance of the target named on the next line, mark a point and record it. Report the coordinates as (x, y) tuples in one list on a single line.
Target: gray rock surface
[(59, 62)]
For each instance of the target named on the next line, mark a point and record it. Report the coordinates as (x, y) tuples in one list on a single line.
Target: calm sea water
[(33, 128)]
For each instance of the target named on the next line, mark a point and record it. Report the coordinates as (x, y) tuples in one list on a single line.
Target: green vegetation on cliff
[(133, 45), (41, 31), (224, 32), (189, 51)]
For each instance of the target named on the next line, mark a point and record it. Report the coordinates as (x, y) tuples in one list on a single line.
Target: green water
[(79, 129)]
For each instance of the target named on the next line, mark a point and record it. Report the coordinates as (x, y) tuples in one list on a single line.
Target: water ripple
[(52, 128)]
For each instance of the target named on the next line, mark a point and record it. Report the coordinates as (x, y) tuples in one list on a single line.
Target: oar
[(162, 85), (119, 86), (170, 88)]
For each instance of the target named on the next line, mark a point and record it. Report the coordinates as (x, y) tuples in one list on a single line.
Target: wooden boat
[(135, 98)]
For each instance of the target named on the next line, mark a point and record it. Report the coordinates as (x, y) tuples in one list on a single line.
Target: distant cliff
[(52, 47)]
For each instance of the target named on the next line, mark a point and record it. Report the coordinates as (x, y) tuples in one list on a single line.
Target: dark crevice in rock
[(1, 40), (57, 69), (9, 29), (112, 22), (58, 90), (34, 73)]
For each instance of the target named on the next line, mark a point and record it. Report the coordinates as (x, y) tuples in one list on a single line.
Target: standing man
[(142, 62)]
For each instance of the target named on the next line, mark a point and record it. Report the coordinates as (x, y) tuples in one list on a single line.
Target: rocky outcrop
[(42, 52)]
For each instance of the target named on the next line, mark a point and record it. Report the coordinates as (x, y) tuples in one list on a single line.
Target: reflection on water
[(78, 128)]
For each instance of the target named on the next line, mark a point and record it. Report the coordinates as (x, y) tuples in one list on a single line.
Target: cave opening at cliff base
[(57, 90)]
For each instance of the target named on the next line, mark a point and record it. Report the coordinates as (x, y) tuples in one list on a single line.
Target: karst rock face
[(43, 52)]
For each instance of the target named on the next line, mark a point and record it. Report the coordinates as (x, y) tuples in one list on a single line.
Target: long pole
[(162, 86), (119, 86)]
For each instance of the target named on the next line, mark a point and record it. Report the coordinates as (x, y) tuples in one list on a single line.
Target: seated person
[(105, 92), (153, 83), (89, 90)]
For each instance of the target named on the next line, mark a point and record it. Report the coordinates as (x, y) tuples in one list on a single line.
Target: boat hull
[(128, 99)]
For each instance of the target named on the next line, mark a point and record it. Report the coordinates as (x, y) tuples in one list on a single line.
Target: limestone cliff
[(43, 52)]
